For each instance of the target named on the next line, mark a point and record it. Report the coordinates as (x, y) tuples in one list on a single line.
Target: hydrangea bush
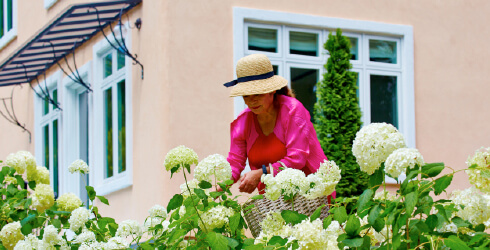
[(206, 215)]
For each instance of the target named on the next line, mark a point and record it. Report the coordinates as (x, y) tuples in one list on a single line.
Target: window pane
[(108, 133), (302, 43), (382, 51), (384, 99), (354, 50), (83, 125), (9, 15), (275, 68), (55, 97), (121, 60), (107, 65), (55, 158), (121, 125), (2, 10), (303, 83), (46, 146), (262, 39), (45, 105)]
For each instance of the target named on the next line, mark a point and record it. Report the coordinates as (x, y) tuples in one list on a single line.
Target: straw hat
[(255, 76)]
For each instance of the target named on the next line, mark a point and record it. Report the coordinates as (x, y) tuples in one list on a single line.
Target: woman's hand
[(250, 181)]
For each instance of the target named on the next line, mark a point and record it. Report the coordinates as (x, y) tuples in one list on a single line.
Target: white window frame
[(123, 180), (49, 3), (52, 82), (304, 58), (403, 34), (280, 45), (71, 92), (10, 35), (381, 64)]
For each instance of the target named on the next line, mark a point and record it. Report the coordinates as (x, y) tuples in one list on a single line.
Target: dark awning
[(60, 37)]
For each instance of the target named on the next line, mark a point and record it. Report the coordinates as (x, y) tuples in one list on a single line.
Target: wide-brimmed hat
[(255, 75)]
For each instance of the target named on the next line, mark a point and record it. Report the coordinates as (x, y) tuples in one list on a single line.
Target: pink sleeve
[(237, 156), (297, 144)]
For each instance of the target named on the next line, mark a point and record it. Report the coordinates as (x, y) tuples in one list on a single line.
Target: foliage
[(337, 115)]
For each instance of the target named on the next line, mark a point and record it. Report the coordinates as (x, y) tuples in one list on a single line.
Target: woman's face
[(260, 104)]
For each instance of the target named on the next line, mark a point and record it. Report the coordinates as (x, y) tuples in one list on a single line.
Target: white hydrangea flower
[(51, 236), (158, 211), (273, 222), (310, 235), (78, 218), (42, 197), (272, 188), (30, 242), (214, 165), (292, 182), (284, 232), (476, 209), (401, 159), (333, 231), (17, 162), (374, 143), (448, 228), (29, 160), (325, 180), (180, 156), (41, 175), (192, 184), (69, 202), (10, 180), (11, 234), (384, 195), (182, 211), (129, 227), (79, 166), (86, 237), (116, 243), (216, 217), (92, 246), (481, 159)]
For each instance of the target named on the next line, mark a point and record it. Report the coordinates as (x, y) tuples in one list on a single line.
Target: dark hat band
[(249, 78)]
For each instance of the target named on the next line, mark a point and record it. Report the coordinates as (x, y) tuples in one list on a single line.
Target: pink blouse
[(293, 128)]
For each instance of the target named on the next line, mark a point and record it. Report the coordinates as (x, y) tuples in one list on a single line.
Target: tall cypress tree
[(337, 115)]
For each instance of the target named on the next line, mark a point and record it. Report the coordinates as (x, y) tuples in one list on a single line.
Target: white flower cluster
[(78, 218), (293, 181), (401, 159), (216, 217), (30, 242), (481, 159), (51, 236), (216, 165), (158, 211), (476, 209), (158, 214), (129, 228), (448, 228), (374, 143), (273, 225), (180, 156), (384, 195), (10, 180), (325, 180), (21, 161), (116, 243), (79, 166), (310, 234), (192, 184), (40, 176), (42, 197), (69, 202), (86, 237), (11, 234)]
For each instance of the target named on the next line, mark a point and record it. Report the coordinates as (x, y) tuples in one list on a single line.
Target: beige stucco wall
[(187, 50)]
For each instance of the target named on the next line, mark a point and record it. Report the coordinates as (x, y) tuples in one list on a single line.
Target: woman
[(274, 129)]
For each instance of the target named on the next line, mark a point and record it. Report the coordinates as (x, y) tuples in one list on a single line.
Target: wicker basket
[(263, 206)]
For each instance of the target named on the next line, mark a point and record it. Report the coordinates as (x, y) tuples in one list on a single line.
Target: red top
[(265, 150)]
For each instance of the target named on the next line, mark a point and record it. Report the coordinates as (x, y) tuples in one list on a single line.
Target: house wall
[(187, 50)]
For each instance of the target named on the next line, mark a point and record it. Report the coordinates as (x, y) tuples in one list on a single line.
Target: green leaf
[(353, 225), (175, 202), (205, 185), (374, 214), (442, 183), (365, 197), (432, 169), (485, 173), (379, 224), (292, 217), (480, 228), (315, 215), (410, 202), (200, 193), (377, 177), (215, 194), (20, 180), (432, 221), (327, 221), (56, 223), (91, 192), (460, 222), (232, 242), (277, 240), (257, 197), (26, 229), (357, 242), (103, 199), (453, 242), (229, 182), (176, 235), (340, 214), (217, 241), (234, 222), (27, 219), (32, 185)]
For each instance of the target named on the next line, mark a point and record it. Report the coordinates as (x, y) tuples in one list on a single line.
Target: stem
[(386, 219), (192, 199)]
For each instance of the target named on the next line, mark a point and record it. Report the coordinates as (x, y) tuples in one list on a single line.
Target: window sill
[(113, 184)]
